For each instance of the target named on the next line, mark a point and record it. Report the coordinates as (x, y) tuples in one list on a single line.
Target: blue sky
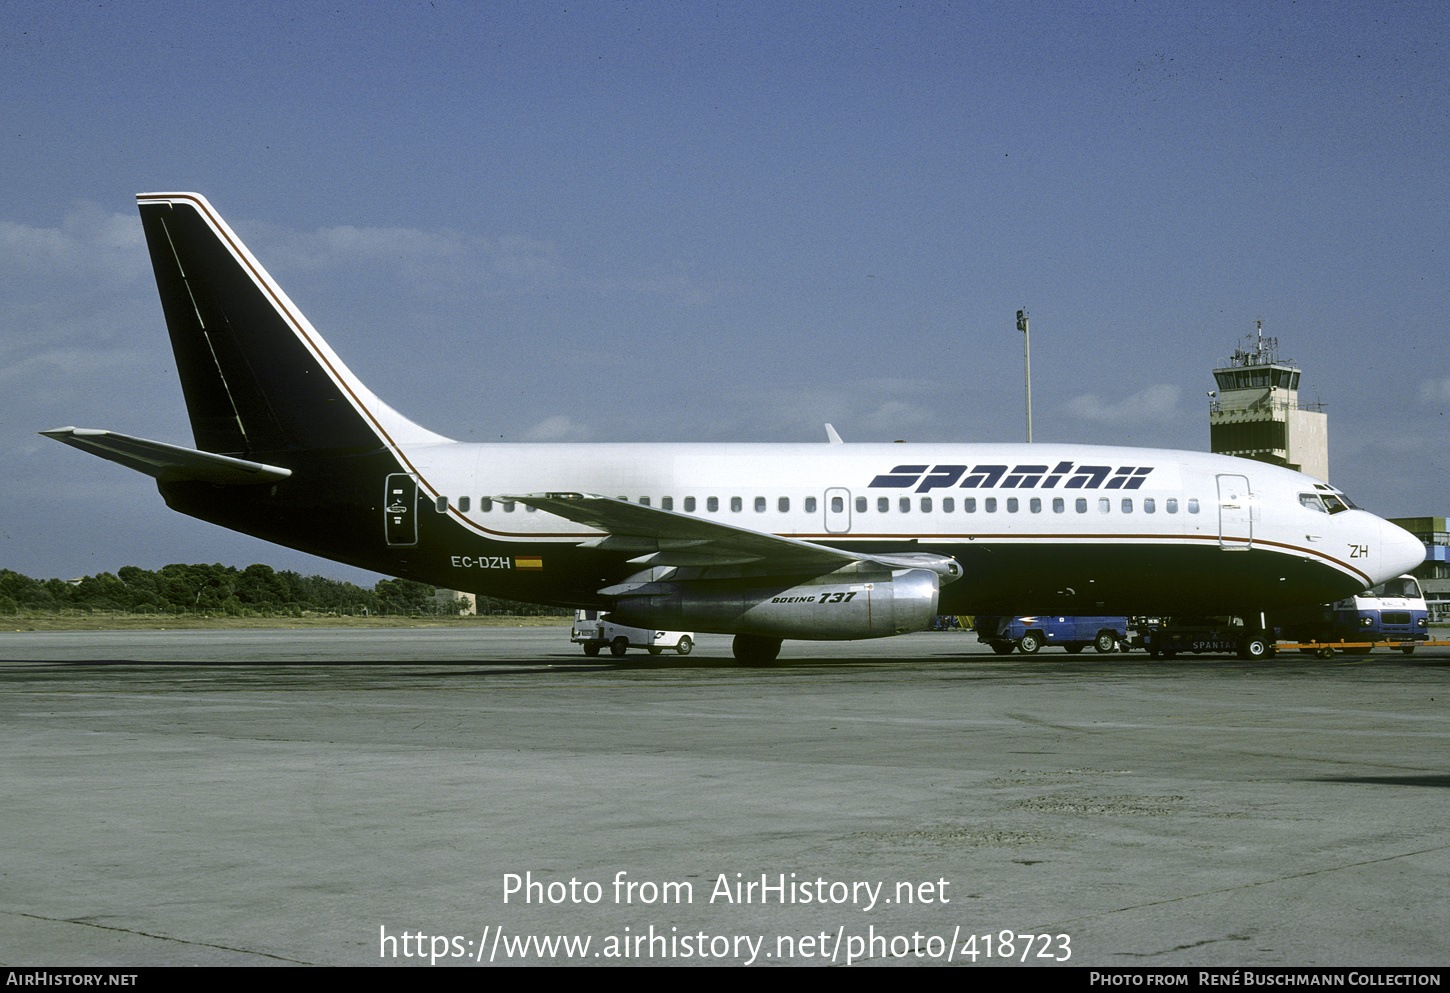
[(731, 221)]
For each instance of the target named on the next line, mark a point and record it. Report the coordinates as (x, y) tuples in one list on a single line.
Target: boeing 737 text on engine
[(765, 542)]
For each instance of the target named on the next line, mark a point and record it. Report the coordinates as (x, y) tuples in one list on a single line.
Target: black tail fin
[(257, 377)]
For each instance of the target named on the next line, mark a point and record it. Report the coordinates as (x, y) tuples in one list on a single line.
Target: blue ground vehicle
[(1393, 611), (1029, 634)]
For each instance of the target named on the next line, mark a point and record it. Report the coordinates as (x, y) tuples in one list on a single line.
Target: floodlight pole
[(1027, 360)]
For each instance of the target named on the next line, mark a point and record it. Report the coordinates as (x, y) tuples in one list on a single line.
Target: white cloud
[(90, 247), (1435, 391), (684, 290), (1153, 403), (557, 428), (427, 259)]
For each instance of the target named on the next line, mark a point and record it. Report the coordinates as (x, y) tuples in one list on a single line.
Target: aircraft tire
[(754, 649), (1029, 644), (618, 646), (1105, 643), (1072, 648), (686, 645), (1408, 649), (1003, 647), (655, 650), (591, 648)]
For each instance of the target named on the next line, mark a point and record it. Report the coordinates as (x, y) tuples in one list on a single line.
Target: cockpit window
[(1334, 503), (1312, 501), (1329, 491)]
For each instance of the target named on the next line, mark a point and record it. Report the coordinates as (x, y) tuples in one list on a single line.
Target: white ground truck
[(594, 630)]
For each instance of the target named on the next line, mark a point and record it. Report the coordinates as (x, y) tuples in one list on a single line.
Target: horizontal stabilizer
[(167, 463)]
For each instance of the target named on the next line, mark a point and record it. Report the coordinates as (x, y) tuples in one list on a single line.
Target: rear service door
[(400, 509)]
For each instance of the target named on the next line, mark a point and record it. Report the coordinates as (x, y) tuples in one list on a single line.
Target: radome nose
[(1400, 551)]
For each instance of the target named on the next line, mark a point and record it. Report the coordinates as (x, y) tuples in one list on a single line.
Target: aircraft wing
[(667, 538), (167, 463)]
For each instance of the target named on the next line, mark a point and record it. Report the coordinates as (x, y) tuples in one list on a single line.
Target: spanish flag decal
[(528, 562)]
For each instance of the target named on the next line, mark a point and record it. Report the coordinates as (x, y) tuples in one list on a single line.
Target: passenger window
[(1081, 505), (810, 505), (783, 505), (1104, 505), (1011, 505), (905, 505), (990, 505), (883, 505), (969, 504), (712, 504), (1127, 505), (689, 505), (508, 506), (926, 505), (485, 504), (838, 505), (1193, 505), (667, 503), (735, 505), (644, 501), (760, 505), (948, 505), (860, 505), (1171, 505), (463, 504), (441, 505), (1035, 505), (1149, 506), (1058, 505)]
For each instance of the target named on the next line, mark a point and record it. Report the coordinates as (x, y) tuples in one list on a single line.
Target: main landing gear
[(754, 649)]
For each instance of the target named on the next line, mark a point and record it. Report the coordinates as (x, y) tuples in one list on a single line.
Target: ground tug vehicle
[(594, 630)]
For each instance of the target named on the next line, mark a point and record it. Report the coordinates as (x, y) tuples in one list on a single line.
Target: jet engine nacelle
[(826, 608)]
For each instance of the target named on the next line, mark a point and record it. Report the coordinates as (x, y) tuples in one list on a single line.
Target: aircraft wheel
[(1408, 649), (1003, 647), (1029, 644), (591, 648), (619, 646), (1073, 648), (686, 646), (1105, 643), (753, 649), (655, 651)]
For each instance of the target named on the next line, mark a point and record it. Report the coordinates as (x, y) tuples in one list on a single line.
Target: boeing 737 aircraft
[(765, 542)]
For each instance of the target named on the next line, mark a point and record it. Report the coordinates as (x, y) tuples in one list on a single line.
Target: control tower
[(1256, 413)]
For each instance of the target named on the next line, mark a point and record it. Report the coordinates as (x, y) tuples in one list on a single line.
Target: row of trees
[(257, 589)]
